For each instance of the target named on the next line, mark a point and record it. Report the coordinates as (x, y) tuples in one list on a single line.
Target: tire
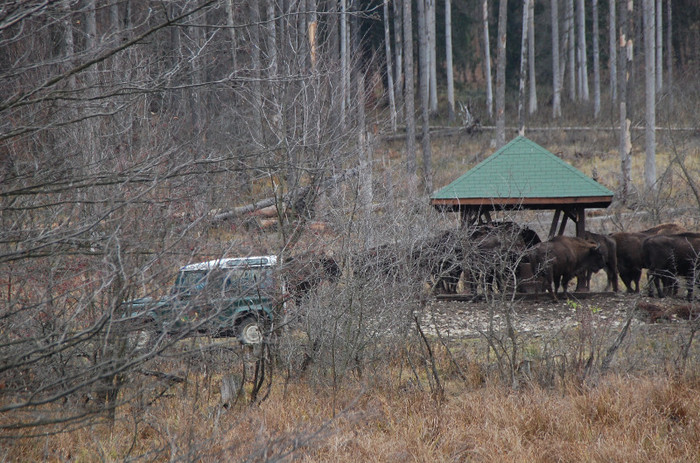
[(250, 330)]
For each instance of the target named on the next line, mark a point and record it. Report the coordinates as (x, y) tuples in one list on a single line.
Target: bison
[(493, 253), (558, 260), (629, 252), (306, 271), (668, 257), (609, 249)]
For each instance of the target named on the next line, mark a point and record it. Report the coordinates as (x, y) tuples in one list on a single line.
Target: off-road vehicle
[(224, 297)]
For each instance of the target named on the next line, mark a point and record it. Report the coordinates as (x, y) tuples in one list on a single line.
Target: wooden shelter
[(523, 175)]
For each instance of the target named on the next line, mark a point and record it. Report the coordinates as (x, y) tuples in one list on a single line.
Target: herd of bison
[(505, 256)]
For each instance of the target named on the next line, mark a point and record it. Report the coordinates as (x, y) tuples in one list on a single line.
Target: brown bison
[(608, 248), (493, 252), (306, 271), (629, 252), (558, 260), (668, 257)]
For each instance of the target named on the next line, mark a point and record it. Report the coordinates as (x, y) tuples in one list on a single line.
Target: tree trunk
[(398, 27), (448, 62), (626, 10), (523, 68), (424, 84), (582, 58), (232, 34), (487, 57), (659, 46), (556, 84), (389, 64), (365, 164), (650, 87), (432, 50), (571, 48), (344, 62), (532, 108), (501, 74), (669, 51), (408, 91), (255, 64), (596, 61), (612, 45)]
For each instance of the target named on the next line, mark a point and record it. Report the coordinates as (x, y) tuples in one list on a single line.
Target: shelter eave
[(522, 203)]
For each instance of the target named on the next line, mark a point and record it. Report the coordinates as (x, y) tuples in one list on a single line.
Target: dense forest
[(140, 136)]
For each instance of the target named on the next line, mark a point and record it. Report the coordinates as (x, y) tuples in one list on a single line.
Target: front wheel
[(250, 330)]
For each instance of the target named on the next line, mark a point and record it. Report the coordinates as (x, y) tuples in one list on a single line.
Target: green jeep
[(224, 297)]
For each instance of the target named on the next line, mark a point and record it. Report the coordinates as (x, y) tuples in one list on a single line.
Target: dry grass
[(625, 419)]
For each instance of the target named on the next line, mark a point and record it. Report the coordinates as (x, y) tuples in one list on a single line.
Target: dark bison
[(493, 253), (440, 259), (668, 257), (558, 260), (306, 271), (629, 252), (608, 248)]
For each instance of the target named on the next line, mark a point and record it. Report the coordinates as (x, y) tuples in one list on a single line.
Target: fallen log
[(268, 202)]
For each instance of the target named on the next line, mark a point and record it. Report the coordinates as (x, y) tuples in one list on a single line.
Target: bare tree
[(649, 71), (424, 66), (432, 52), (532, 105), (523, 67), (487, 57), (612, 49), (659, 46), (556, 76), (344, 59), (398, 34), (409, 90), (501, 74), (581, 51), (570, 41), (596, 60), (669, 48), (389, 64), (626, 42), (448, 62)]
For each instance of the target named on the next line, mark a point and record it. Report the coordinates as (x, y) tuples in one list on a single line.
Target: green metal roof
[(522, 171)]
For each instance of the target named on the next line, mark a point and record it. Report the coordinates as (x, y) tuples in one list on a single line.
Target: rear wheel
[(250, 330)]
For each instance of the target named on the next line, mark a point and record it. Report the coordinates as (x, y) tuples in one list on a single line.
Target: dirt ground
[(542, 315)]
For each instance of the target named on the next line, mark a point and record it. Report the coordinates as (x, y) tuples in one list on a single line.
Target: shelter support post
[(577, 215)]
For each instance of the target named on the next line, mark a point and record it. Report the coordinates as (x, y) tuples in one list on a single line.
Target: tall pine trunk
[(571, 48), (531, 57), (581, 50), (432, 53), (423, 86), (448, 62), (487, 58), (344, 61), (556, 76), (612, 45), (389, 63), (650, 94), (626, 42), (523, 68), (659, 46), (408, 92), (398, 65), (596, 61), (501, 74), (669, 50)]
